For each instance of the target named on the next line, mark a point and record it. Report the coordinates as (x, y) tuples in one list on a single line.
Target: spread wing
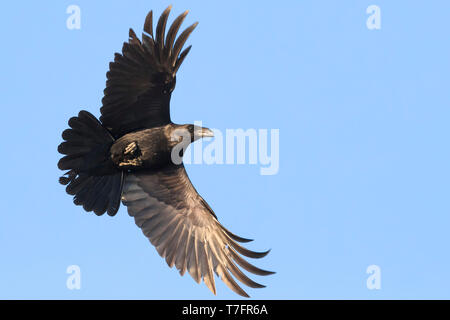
[(185, 230), (141, 79)]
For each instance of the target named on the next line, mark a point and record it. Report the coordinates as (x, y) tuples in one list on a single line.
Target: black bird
[(127, 155)]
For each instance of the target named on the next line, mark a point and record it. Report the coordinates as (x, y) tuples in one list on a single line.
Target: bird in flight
[(128, 155)]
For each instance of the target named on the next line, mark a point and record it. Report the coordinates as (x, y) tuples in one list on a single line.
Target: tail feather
[(92, 178), (73, 147)]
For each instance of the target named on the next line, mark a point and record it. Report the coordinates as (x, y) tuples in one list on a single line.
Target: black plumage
[(127, 156)]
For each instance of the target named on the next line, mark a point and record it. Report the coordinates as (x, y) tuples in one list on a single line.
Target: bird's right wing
[(184, 229), (141, 79)]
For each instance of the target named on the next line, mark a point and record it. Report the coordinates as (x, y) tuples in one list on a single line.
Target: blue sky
[(364, 154)]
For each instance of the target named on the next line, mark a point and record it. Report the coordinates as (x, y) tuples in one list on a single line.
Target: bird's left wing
[(141, 78), (185, 230)]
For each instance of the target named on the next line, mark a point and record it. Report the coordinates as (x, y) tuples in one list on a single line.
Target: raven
[(126, 156)]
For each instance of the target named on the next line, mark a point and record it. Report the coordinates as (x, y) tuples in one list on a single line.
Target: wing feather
[(207, 268), (185, 230), (141, 78)]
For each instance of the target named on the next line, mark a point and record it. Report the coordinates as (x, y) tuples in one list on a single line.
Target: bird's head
[(185, 134), (180, 136)]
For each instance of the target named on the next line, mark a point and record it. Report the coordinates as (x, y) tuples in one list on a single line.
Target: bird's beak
[(204, 133)]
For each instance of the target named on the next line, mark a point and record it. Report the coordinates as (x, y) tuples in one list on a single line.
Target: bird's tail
[(91, 178)]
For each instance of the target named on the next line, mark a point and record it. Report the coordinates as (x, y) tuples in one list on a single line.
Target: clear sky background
[(364, 146)]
